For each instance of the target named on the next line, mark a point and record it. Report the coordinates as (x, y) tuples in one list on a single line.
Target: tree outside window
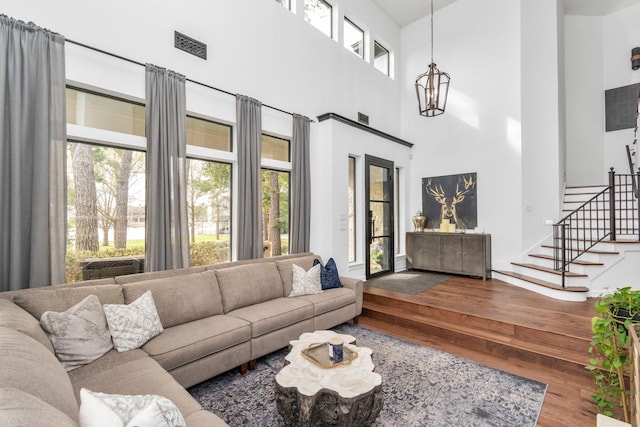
[(209, 211), (105, 193), (275, 212)]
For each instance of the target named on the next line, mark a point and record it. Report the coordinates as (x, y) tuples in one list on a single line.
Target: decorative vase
[(418, 221)]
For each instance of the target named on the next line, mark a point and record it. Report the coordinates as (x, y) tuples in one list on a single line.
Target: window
[(208, 134), (352, 209), (85, 108), (284, 3), (275, 212), (208, 192), (105, 211), (275, 148), (209, 211), (105, 188), (381, 58), (396, 211), (319, 14), (353, 38)]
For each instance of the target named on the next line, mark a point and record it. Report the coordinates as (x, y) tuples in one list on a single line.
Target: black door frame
[(369, 236)]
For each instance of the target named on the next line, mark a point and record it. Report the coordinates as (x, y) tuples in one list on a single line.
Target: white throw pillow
[(306, 282), (78, 335), (119, 410), (132, 325)]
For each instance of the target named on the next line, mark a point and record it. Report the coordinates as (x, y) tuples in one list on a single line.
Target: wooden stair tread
[(592, 251), (576, 261), (544, 283), (547, 270)]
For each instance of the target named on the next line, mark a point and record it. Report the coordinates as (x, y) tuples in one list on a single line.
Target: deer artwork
[(449, 201)]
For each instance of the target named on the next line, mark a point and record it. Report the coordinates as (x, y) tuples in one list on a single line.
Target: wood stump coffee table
[(343, 395)]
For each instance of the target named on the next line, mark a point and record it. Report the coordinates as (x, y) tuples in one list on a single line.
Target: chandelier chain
[(432, 31)]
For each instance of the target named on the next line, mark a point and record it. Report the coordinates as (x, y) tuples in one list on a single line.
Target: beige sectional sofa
[(215, 318)]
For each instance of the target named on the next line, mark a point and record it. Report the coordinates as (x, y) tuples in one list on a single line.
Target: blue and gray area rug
[(422, 387)]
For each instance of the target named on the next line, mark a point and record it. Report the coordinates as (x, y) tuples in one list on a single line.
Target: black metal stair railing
[(611, 213)]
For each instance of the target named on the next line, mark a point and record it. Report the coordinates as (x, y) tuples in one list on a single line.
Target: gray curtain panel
[(32, 156), (249, 129), (167, 236), (300, 186)]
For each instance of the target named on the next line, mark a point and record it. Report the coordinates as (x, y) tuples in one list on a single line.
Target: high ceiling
[(404, 12)]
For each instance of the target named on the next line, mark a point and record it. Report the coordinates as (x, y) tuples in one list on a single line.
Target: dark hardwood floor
[(503, 326)]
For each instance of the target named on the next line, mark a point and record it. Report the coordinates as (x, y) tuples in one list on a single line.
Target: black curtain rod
[(187, 79)]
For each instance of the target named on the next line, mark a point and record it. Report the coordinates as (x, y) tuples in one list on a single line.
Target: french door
[(379, 205)]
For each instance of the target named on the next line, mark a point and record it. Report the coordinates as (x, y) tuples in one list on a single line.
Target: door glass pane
[(380, 218), (380, 253), (379, 184)]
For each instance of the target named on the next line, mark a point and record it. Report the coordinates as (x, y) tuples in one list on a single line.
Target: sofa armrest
[(356, 286)]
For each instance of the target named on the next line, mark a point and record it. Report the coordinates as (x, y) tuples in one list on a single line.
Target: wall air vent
[(190, 45), (363, 118)]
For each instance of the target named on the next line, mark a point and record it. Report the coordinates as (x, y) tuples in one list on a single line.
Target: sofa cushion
[(274, 314), (249, 284), (16, 318), (79, 335), (155, 275), (306, 282), (182, 344), (132, 325), (19, 408), (180, 299), (109, 361), (140, 376), (329, 300), (102, 409), (285, 268), (29, 366), (37, 301)]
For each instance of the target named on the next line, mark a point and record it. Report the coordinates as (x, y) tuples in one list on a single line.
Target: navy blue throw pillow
[(329, 277)]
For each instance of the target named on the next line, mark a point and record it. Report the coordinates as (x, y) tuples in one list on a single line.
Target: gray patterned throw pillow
[(101, 409), (306, 282), (78, 335), (132, 325)]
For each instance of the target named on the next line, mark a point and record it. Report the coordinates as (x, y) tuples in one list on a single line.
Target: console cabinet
[(456, 253)]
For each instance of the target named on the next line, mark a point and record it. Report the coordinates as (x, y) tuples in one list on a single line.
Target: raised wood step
[(568, 400), (533, 344), (541, 282)]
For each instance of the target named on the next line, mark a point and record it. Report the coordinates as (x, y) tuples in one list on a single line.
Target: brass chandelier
[(432, 86)]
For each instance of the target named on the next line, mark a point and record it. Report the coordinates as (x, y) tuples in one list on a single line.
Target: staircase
[(538, 271)]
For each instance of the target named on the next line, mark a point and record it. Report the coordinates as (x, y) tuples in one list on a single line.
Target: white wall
[(541, 144), (597, 58), (585, 100), (336, 142), (478, 44), (621, 34)]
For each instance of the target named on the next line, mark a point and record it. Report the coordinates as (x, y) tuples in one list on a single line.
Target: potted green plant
[(609, 350)]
